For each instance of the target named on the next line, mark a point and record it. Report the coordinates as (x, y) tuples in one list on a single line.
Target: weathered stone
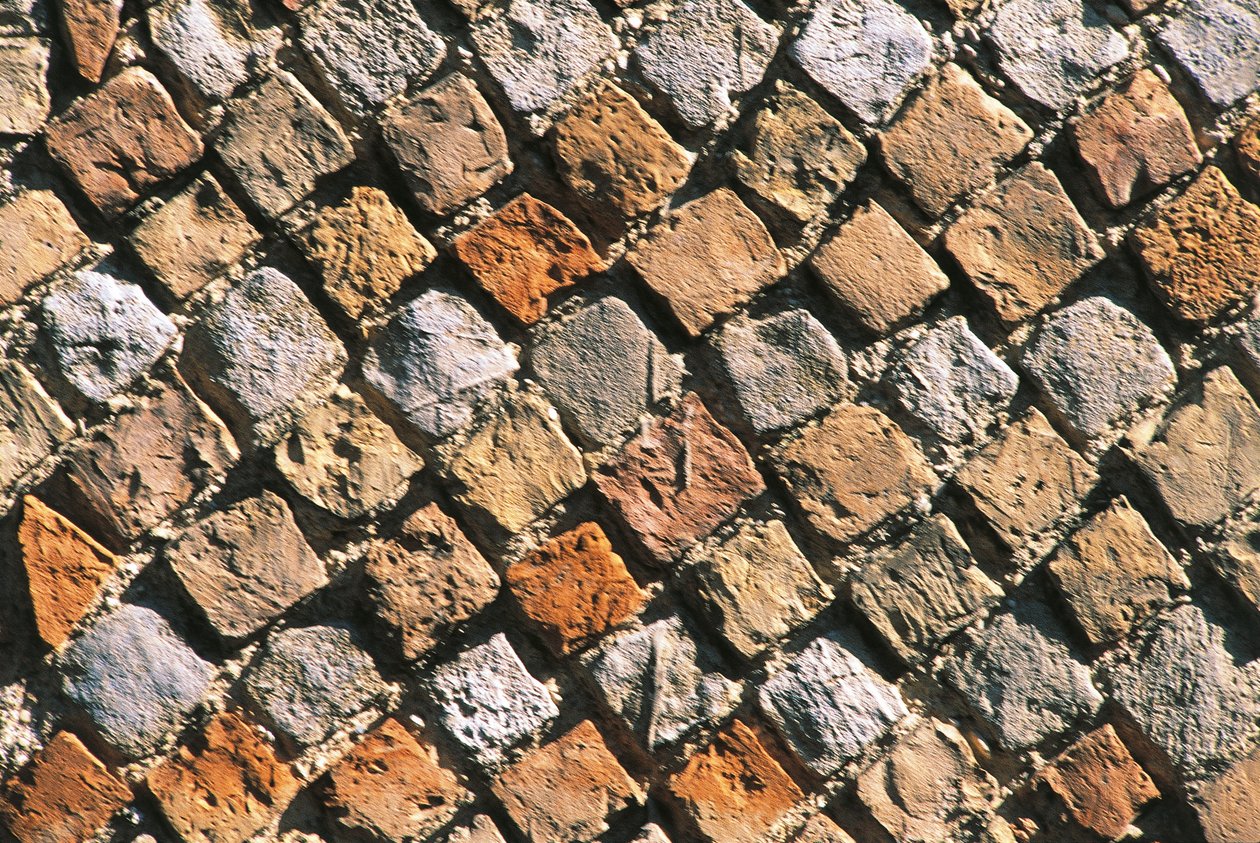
[(732, 790), (1137, 140), (567, 790), (370, 50), (1019, 674), (604, 370), (205, 41), (660, 682), (64, 795), (1218, 43), (225, 786), (344, 459), (134, 677), (1237, 558), (90, 26), (785, 368), (706, 258), (435, 360), (310, 680), (514, 467), (756, 587), (920, 148), (489, 702), (875, 271), (39, 237), (392, 787), (1247, 142), (1027, 481), (193, 238), (828, 706), (278, 140), (705, 55), (679, 479), (448, 144), (103, 332), (1023, 244), (611, 152), (525, 252), (1197, 250), (122, 140), (426, 579), (819, 829), (1205, 457), (246, 565), (1054, 49), (65, 568), (537, 51), (482, 828), (31, 424), (796, 156), (921, 591), (1099, 364), (866, 54), (953, 382), (852, 471), (260, 349), (1229, 804), (24, 99), (575, 588)]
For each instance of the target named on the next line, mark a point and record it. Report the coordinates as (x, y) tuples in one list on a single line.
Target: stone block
[(40, 237), (24, 98), (64, 795)]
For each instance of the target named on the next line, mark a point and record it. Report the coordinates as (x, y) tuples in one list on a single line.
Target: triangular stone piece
[(91, 27)]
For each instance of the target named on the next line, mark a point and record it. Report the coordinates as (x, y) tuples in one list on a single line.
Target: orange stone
[(91, 27)]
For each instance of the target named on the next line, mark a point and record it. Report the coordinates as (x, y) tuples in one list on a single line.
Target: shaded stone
[(1247, 142), (31, 424), (40, 237), (24, 98), (205, 41), (819, 829), (1218, 44), (64, 795), (1229, 804), (1237, 558), (90, 27)]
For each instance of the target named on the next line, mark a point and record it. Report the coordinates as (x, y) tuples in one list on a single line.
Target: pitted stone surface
[(65, 795)]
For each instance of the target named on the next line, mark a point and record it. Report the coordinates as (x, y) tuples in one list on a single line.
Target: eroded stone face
[(64, 795), (45, 238)]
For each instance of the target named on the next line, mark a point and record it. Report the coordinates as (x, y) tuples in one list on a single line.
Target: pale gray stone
[(1218, 43), (31, 424), (24, 99), (206, 42)]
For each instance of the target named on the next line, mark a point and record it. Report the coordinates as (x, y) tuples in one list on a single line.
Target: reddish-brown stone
[(90, 27)]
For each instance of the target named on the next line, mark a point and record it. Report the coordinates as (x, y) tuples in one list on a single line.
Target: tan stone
[(1200, 250), (706, 258), (1248, 146), (24, 97), (820, 829), (37, 237), (31, 424), (875, 270), (1229, 805), (90, 27)]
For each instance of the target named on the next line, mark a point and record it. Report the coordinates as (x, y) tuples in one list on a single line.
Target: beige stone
[(37, 237), (24, 99), (31, 424)]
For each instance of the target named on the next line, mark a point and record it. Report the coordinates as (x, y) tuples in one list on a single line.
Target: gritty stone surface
[(480, 830), (134, 677), (1247, 142), (1218, 44), (31, 424), (1230, 803), (1237, 559), (820, 829), (24, 98), (90, 27), (205, 42), (44, 236)]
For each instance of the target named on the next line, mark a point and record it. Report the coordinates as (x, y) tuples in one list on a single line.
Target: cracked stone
[(44, 236)]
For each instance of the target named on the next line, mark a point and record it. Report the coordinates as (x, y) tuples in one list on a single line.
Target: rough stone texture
[(435, 360), (1136, 141), (205, 42), (1023, 244), (246, 565), (660, 682), (134, 677), (1247, 142), (31, 424), (65, 568), (953, 383), (426, 579), (705, 55), (1218, 44), (524, 253), (1026, 481), (920, 148), (537, 50), (39, 238), (852, 471), (610, 151), (604, 370), (1019, 674), (819, 829), (278, 140), (122, 140), (103, 333), (828, 706), (575, 588), (1197, 249), (1114, 573), (732, 790), (1055, 50), (365, 249), (795, 156), (489, 702), (370, 50), (480, 830), (785, 368), (567, 790), (309, 680), (722, 250), (24, 99), (64, 795), (1099, 364), (923, 590), (90, 27), (865, 54), (756, 587), (1205, 457), (225, 786), (876, 272), (1229, 806), (448, 144), (391, 787), (344, 459), (1238, 559), (678, 480)]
